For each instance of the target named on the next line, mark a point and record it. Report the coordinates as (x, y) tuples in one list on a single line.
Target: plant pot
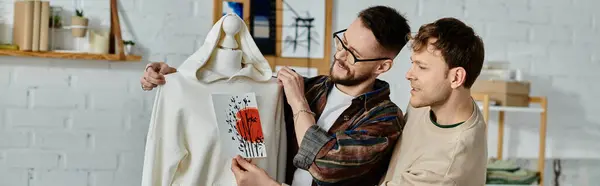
[(129, 49), (79, 26), (99, 41)]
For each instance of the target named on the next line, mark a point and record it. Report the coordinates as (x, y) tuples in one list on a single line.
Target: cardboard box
[(506, 93)]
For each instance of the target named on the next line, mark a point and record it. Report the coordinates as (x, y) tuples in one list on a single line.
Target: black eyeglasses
[(339, 45)]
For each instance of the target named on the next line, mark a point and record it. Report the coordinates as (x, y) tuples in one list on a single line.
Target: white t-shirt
[(337, 102)]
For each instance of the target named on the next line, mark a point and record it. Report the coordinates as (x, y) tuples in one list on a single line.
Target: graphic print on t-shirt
[(240, 129)]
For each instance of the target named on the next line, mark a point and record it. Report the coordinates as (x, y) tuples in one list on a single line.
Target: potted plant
[(55, 18), (79, 24), (129, 46), (55, 21)]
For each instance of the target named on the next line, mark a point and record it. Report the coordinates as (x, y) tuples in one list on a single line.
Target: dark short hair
[(458, 43), (389, 27)]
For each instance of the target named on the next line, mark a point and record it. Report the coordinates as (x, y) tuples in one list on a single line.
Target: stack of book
[(31, 25)]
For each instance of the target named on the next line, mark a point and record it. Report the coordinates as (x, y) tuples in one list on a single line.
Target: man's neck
[(357, 90), (458, 108)]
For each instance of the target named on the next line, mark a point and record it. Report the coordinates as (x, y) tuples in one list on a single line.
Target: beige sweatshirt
[(429, 154)]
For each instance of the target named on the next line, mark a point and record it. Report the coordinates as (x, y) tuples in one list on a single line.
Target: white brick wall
[(40, 77), (61, 140), (39, 159), (70, 122), (36, 118), (60, 177)]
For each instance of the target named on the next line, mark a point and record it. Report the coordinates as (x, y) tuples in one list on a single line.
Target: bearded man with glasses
[(342, 128)]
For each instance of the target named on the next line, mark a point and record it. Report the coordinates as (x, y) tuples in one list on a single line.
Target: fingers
[(154, 77), (288, 75), (283, 74), (151, 77), (245, 165), (287, 71), (146, 85), (291, 72), (170, 70), (284, 77), (235, 168), (153, 66), (166, 69)]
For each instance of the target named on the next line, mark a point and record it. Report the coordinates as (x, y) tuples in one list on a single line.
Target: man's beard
[(348, 81)]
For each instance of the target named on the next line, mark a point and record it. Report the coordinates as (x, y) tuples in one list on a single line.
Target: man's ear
[(385, 66), (457, 77)]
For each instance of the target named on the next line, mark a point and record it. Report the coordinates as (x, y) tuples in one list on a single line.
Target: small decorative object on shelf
[(9, 47), (55, 21), (99, 41), (79, 24), (129, 47)]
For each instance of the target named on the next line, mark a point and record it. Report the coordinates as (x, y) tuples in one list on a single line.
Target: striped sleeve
[(349, 154)]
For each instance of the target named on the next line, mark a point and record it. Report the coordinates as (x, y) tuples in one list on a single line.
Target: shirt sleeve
[(164, 143), (348, 154)]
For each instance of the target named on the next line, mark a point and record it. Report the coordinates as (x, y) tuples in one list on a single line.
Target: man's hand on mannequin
[(154, 75), (247, 174), (293, 87)]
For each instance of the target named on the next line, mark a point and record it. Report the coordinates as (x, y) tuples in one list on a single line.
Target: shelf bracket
[(115, 31)]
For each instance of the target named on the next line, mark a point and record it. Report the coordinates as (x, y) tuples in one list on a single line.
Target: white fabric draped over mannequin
[(254, 63), (183, 146)]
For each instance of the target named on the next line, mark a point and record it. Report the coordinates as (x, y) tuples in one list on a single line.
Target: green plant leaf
[(79, 12), (128, 42)]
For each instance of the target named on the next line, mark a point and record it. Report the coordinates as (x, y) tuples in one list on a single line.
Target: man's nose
[(341, 55), (409, 75)]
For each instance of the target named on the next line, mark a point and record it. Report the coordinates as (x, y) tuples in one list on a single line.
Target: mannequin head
[(227, 58), (231, 26)]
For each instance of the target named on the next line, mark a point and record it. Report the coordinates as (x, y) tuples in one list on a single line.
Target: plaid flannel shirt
[(357, 148)]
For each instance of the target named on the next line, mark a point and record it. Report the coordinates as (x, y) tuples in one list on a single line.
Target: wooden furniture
[(63, 55), (115, 31), (543, 111), (321, 64), (115, 38)]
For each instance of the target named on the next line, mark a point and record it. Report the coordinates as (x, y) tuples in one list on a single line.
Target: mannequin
[(228, 55), (205, 66), (183, 145)]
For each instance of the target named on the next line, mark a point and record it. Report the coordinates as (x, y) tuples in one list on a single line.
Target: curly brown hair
[(458, 44)]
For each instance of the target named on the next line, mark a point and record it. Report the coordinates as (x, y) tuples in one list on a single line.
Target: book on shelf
[(35, 41), (45, 26), (31, 25)]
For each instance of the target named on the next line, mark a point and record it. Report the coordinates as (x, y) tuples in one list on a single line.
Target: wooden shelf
[(513, 109), (542, 110), (66, 55)]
